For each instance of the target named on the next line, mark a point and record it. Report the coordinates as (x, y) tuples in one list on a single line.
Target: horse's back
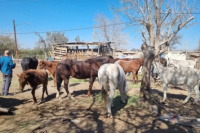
[(110, 73), (29, 63), (35, 77), (35, 63), (178, 76), (25, 63), (126, 65), (101, 60)]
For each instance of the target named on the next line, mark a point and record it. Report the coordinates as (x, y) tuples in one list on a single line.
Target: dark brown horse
[(132, 66), (29, 63), (80, 70)]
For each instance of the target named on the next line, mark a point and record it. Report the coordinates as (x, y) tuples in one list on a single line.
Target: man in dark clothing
[(6, 66)]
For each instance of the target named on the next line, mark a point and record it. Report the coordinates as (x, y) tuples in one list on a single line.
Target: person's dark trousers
[(6, 83)]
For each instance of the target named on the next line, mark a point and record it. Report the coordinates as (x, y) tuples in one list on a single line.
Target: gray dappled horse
[(184, 76), (182, 63), (112, 76)]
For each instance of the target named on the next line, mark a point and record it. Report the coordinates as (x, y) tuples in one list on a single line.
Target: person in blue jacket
[(6, 66)]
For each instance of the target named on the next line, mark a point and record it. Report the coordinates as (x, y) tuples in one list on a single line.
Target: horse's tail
[(103, 81), (104, 96), (122, 79), (58, 81), (104, 87)]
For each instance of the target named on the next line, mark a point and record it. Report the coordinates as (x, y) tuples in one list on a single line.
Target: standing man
[(6, 66)]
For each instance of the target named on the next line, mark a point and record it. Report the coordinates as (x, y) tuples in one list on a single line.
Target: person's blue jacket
[(6, 65)]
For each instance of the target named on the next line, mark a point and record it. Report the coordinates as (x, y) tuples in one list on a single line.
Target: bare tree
[(51, 38), (155, 18), (42, 41), (111, 30)]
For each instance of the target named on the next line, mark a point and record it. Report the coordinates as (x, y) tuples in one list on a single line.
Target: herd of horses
[(63, 70), (110, 72)]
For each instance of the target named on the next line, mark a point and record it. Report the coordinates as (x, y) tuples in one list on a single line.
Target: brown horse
[(132, 66), (126, 59), (80, 70), (34, 78), (51, 67)]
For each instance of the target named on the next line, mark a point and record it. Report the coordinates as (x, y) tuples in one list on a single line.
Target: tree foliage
[(7, 42), (38, 52)]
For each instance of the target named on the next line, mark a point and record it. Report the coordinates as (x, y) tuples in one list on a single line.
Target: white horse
[(183, 76), (181, 63), (112, 76)]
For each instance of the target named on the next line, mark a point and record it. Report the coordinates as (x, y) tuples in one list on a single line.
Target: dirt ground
[(83, 114)]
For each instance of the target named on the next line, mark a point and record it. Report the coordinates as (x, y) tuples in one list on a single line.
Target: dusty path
[(83, 114)]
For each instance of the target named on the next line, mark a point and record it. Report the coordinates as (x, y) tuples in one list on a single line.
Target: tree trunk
[(110, 51), (149, 54)]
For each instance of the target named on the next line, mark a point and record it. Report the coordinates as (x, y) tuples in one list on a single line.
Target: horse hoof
[(194, 103), (110, 116), (71, 97), (163, 102), (123, 101)]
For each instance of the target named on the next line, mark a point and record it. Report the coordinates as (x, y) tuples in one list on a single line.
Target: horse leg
[(164, 92), (133, 77), (196, 89), (66, 82), (92, 79), (110, 99), (137, 77), (44, 89), (33, 94), (58, 82), (190, 91), (54, 79)]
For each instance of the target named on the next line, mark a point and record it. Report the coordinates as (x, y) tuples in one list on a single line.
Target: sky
[(58, 15)]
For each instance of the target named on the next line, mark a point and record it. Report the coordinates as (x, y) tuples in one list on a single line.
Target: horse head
[(22, 80)]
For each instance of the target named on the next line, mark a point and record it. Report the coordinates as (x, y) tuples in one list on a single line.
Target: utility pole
[(15, 41)]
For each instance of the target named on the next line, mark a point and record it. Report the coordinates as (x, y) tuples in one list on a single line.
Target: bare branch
[(166, 15), (144, 40), (180, 26)]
